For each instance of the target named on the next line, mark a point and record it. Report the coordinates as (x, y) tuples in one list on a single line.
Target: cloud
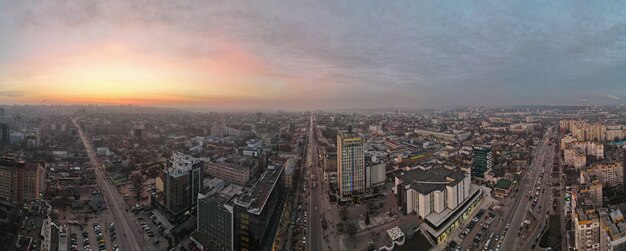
[(406, 53), (613, 97), (11, 94)]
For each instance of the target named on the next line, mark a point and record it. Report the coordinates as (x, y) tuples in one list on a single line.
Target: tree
[(344, 213), (351, 228)]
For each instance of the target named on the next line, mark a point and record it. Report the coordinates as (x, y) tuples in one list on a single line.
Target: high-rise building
[(588, 232), (350, 164), (215, 219), (482, 161), (20, 181), (241, 218), (182, 182), (5, 133), (610, 173)]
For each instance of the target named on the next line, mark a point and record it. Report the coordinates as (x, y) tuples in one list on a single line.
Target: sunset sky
[(312, 54)]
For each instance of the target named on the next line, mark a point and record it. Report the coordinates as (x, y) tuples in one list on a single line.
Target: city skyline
[(284, 55)]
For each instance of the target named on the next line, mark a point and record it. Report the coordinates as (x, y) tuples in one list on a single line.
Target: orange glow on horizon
[(118, 74)]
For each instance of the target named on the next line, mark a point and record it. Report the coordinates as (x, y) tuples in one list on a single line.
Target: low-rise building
[(233, 169)]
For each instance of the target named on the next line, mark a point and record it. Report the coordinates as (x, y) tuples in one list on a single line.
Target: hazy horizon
[(287, 55)]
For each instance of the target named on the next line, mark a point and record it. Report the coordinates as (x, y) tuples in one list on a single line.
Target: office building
[(215, 218), (182, 182), (255, 208), (20, 181), (441, 196), (241, 218), (350, 164), (482, 161), (234, 169), (5, 134)]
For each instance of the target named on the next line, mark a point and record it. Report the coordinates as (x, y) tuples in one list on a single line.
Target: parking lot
[(153, 228), (96, 235)]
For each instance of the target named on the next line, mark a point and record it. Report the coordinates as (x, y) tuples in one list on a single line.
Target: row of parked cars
[(99, 237)]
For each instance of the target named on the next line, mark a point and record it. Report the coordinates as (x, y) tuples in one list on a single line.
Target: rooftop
[(426, 181), (181, 163), (395, 233), (255, 196)]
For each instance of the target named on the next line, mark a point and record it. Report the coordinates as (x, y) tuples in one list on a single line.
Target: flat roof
[(256, 196), (181, 164)]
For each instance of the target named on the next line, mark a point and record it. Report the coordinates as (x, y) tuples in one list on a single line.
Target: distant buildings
[(482, 161), (252, 148), (350, 164), (20, 181), (454, 136), (239, 131), (440, 196), (584, 131), (182, 182)]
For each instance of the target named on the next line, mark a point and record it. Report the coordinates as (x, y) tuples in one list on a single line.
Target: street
[(130, 234), (527, 187), (315, 239)]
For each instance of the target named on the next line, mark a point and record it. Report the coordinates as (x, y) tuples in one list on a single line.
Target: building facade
[(482, 161), (610, 173), (350, 164), (237, 173), (20, 181), (439, 195), (182, 182)]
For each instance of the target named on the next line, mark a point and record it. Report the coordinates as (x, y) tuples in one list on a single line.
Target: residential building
[(588, 232), (20, 181), (350, 164), (610, 173), (575, 157), (613, 223)]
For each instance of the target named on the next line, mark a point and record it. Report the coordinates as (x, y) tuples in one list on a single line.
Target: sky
[(312, 54)]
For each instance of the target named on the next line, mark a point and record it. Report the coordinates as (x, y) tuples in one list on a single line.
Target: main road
[(521, 204), (127, 232), (314, 240)]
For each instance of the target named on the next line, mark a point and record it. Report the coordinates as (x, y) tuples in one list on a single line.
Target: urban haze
[(312, 125)]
